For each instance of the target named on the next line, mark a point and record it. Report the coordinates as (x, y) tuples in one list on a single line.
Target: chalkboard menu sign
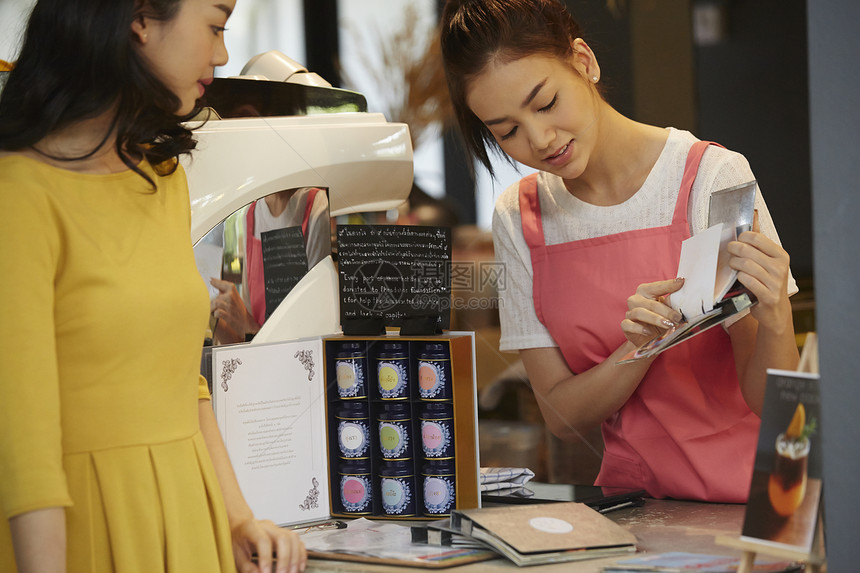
[(285, 262), (394, 272)]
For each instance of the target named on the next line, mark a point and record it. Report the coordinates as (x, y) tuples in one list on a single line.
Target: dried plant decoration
[(408, 68), (617, 7)]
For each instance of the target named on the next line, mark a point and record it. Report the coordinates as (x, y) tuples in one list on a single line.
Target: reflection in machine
[(267, 145), (255, 257)]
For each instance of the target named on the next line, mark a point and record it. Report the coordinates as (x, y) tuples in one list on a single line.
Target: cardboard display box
[(278, 405)]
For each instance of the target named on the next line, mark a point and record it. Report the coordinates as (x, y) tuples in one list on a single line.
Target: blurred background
[(729, 71)]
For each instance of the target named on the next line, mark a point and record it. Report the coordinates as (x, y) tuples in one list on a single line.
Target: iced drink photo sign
[(785, 491)]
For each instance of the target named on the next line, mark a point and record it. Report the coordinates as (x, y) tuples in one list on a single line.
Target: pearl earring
[(594, 79)]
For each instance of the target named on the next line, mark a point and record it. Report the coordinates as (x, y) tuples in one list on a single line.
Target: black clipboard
[(597, 498)]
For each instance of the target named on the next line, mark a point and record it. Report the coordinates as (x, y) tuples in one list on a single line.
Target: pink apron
[(254, 258), (686, 431)]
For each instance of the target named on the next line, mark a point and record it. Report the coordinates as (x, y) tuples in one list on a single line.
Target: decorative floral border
[(306, 357), (312, 500), (228, 368)]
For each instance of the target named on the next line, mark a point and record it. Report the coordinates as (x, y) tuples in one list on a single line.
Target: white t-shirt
[(566, 218)]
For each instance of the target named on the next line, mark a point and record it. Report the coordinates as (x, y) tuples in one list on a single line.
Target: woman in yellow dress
[(110, 459)]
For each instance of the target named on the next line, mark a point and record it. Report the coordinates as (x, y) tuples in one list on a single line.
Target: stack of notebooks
[(542, 533)]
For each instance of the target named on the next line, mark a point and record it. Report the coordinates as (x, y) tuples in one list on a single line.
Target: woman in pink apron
[(238, 320), (254, 256), (591, 246)]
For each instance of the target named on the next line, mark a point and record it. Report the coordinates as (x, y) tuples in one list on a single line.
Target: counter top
[(659, 525)]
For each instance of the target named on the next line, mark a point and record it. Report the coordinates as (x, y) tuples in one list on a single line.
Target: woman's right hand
[(648, 315), (229, 307), (265, 539)]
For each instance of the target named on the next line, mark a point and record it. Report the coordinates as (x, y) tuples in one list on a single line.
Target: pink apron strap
[(691, 169), (254, 266), (530, 203), (530, 212), (312, 193), (249, 220)]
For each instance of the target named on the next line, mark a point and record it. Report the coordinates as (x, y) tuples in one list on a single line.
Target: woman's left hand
[(270, 543), (763, 267)]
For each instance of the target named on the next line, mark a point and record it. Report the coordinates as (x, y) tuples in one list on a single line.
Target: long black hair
[(478, 32), (78, 60)]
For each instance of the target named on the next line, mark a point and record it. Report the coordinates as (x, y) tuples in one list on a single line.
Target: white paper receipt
[(698, 266), (550, 525)]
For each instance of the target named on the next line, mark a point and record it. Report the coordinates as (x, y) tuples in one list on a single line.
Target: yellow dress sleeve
[(203, 389), (31, 457)]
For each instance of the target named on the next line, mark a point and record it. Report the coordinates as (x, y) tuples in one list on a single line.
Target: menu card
[(394, 273), (785, 492)]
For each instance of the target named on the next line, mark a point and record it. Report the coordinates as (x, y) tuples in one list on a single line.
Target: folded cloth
[(516, 491), (494, 479)]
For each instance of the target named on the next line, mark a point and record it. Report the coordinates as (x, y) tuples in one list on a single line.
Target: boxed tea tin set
[(396, 411), (351, 426)]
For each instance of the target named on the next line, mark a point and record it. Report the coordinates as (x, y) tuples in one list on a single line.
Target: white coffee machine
[(280, 127)]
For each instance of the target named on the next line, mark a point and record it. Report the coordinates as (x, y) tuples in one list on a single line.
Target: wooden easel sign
[(782, 514)]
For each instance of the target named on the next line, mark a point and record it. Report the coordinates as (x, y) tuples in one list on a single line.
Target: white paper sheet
[(698, 267), (270, 408)]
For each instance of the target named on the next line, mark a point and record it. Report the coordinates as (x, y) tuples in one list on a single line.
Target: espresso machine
[(278, 127)]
